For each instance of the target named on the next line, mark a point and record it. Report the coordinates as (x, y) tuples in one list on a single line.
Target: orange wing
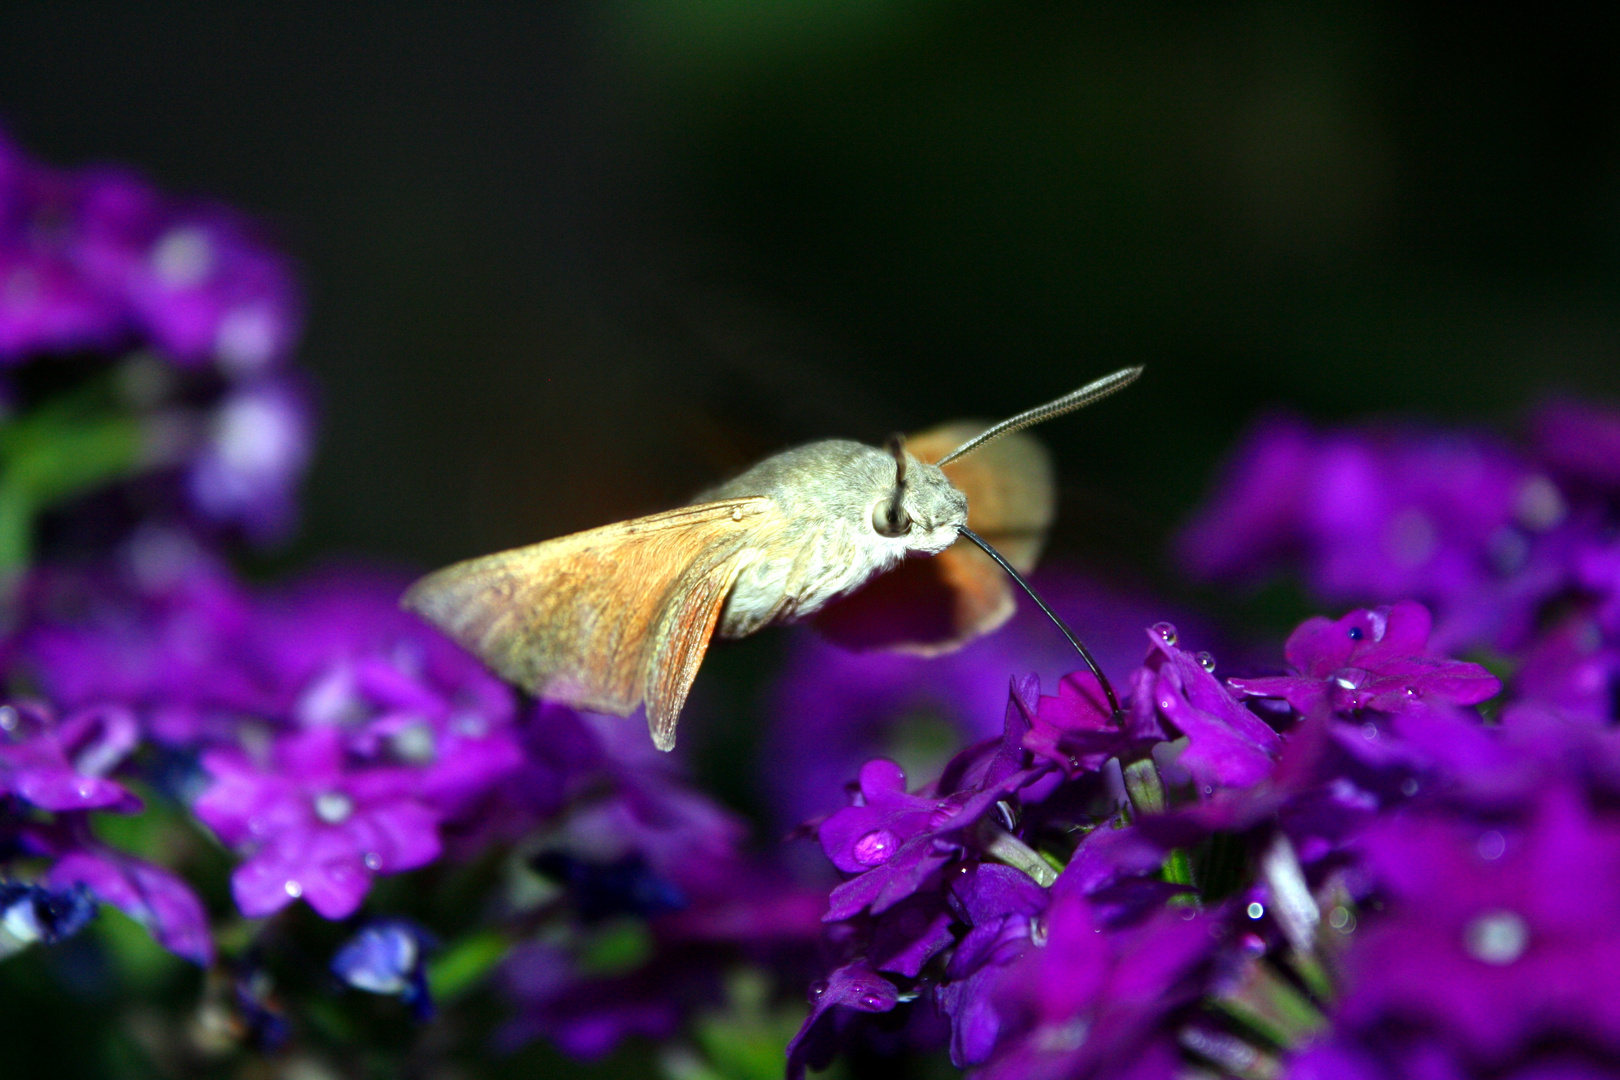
[(931, 606), (606, 619)]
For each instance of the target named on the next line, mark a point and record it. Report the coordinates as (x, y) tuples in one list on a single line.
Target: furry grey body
[(826, 492)]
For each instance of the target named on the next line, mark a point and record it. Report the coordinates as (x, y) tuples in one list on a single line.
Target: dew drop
[(1351, 678), (1409, 786), (372, 860), (1207, 662), (1341, 919), (817, 989), (1037, 931), (86, 789), (1356, 633), (872, 1002), (1369, 731), (1497, 937), (1491, 845), (1412, 692), (333, 807), (293, 889), (875, 848), (1166, 632), (8, 718), (1256, 909)]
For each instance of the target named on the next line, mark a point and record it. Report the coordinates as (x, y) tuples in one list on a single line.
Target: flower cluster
[(143, 340), (1483, 532)]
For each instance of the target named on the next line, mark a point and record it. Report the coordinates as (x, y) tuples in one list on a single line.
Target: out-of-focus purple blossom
[(248, 466), (389, 957), (588, 1016), (30, 913), (1496, 938), (1380, 514), (1226, 743), (1579, 441), (313, 824), (63, 764), (1371, 660), (150, 895), (98, 257), (193, 317)]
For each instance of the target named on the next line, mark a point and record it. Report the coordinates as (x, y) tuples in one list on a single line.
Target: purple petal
[(150, 895)]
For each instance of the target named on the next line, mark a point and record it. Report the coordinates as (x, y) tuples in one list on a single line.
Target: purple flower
[(1579, 441), (896, 843), (247, 468), (1226, 743), (833, 709), (63, 764), (588, 1016), (1093, 1002), (150, 895), (389, 957), (1371, 660), (313, 824), (1496, 938), (853, 986), (194, 317), (1378, 514)]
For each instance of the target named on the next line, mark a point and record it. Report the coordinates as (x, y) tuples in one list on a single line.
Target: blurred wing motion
[(605, 619), (931, 606)]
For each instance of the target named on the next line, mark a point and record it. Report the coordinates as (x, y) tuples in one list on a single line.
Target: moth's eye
[(890, 519)]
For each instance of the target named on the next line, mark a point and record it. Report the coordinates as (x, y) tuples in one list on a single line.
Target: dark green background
[(568, 263)]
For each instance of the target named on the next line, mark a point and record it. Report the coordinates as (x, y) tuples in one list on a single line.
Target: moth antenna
[(1085, 653), (1076, 399)]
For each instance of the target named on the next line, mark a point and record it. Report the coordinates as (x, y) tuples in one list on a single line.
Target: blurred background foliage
[(568, 263)]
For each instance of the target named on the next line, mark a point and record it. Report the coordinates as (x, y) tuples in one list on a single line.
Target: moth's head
[(923, 509)]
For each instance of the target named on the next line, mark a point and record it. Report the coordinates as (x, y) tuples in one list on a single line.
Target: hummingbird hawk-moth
[(621, 616)]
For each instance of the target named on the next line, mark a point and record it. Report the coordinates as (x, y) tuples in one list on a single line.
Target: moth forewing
[(604, 619)]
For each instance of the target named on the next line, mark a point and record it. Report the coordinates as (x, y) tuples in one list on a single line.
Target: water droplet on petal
[(872, 1001), (1412, 692), (1351, 678), (1409, 786), (1207, 662), (1037, 931), (1256, 909), (294, 889), (86, 789), (1491, 845), (372, 860), (1498, 937), (1166, 632), (1369, 731), (817, 988), (1007, 815), (875, 848), (8, 718), (1340, 918)]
